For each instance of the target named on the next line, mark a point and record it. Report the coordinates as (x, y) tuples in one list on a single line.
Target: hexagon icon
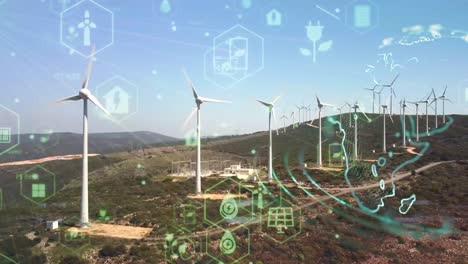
[(362, 16), (231, 203), (236, 54), (9, 129), (222, 247), (71, 238), (84, 25), (119, 96), (283, 221), (37, 184)]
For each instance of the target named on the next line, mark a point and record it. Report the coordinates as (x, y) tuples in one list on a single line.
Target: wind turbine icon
[(86, 25)]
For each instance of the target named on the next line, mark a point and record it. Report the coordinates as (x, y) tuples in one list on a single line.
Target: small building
[(236, 170), (52, 225)]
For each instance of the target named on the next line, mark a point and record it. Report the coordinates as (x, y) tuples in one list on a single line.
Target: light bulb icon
[(314, 33)]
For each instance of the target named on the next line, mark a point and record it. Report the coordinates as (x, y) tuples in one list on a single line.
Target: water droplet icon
[(228, 208), (165, 7), (227, 244)]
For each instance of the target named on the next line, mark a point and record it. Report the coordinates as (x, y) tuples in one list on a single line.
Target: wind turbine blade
[(443, 94), (190, 83), (187, 120), (391, 119), (210, 100), (264, 103), (95, 101), (391, 84), (71, 98), (88, 69), (324, 104), (310, 124), (276, 126), (276, 99), (318, 100), (368, 119), (446, 99)]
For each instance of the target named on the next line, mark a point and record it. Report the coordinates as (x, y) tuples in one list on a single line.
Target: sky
[(142, 47)]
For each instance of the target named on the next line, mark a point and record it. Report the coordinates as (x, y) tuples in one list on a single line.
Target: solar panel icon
[(362, 16), (280, 218)]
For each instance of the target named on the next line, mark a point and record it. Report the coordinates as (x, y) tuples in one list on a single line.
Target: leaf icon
[(305, 52), (325, 46)]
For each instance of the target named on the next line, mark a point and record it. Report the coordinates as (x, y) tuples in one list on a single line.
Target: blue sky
[(32, 61)]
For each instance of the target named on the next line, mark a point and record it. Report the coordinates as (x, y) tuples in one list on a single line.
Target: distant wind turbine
[(444, 98), (356, 107), (416, 104), (199, 101), (320, 105), (284, 117), (392, 92), (271, 112), (434, 100), (384, 144), (85, 95), (403, 107), (373, 96)]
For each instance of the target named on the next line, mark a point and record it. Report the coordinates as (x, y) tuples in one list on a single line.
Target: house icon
[(273, 18), (117, 101)]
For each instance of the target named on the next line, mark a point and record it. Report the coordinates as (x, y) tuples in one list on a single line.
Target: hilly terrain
[(134, 189), (33, 146)]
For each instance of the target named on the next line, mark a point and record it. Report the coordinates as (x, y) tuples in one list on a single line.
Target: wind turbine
[(392, 92), (85, 95), (444, 98), (380, 96), (350, 114), (271, 111), (384, 145), (356, 107), (435, 109), (373, 96), (199, 101), (403, 107), (416, 104), (299, 114), (292, 116), (284, 117), (320, 105), (427, 113)]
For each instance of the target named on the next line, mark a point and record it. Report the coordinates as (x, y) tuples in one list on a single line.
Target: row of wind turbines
[(85, 95)]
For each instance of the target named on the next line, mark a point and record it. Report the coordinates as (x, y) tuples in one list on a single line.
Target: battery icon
[(362, 16)]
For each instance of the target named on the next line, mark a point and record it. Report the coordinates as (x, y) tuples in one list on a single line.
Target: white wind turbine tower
[(271, 111), (444, 98), (299, 114), (284, 117), (392, 92), (356, 107), (416, 104), (292, 116), (85, 95), (384, 145), (427, 113), (403, 107), (199, 101), (373, 96), (435, 108), (320, 105)]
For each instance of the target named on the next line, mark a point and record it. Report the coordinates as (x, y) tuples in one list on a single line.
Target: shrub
[(72, 260), (112, 251)]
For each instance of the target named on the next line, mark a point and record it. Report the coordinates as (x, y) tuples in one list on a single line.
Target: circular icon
[(183, 248)]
